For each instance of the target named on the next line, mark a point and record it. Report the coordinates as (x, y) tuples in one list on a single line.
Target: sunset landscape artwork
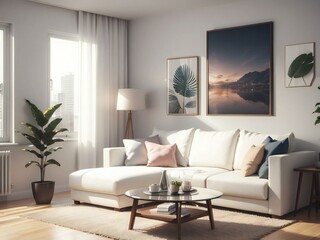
[(239, 68)]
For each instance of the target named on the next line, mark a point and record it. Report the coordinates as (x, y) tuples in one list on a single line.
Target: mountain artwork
[(240, 70)]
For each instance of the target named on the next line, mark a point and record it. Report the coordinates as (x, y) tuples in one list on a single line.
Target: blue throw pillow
[(271, 147)]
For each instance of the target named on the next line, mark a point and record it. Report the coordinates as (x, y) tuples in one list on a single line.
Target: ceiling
[(131, 9)]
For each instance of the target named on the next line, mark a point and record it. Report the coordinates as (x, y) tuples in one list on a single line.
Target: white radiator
[(5, 173)]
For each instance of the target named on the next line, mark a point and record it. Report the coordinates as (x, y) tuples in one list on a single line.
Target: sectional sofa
[(216, 158)]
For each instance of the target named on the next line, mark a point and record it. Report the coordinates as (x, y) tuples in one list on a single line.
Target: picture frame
[(240, 70), (183, 86), (299, 65)]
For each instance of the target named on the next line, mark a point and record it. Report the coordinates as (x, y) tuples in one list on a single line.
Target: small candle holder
[(186, 182)]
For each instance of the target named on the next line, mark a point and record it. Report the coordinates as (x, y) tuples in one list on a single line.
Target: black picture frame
[(240, 70)]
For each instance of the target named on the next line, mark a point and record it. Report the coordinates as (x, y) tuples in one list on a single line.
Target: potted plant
[(174, 186), (42, 135)]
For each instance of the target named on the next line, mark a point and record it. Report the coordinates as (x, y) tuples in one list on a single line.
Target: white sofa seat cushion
[(233, 183), (201, 174), (183, 139), (213, 149), (114, 180), (247, 139)]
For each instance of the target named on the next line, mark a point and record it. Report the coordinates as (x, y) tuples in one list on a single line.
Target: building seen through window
[(64, 83)]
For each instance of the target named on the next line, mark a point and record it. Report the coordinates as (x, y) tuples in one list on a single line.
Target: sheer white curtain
[(103, 71)]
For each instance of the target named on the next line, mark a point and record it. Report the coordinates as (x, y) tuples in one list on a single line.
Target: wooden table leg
[(178, 215), (133, 213), (298, 193), (311, 192), (317, 188), (209, 208)]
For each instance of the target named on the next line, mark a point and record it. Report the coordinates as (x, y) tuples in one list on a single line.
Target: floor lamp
[(130, 99)]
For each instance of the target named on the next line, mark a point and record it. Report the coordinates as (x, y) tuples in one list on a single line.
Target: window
[(64, 80), (5, 81)]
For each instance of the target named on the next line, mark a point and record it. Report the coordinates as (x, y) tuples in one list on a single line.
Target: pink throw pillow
[(161, 155)]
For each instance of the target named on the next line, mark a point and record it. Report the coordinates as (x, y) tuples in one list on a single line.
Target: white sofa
[(217, 157)]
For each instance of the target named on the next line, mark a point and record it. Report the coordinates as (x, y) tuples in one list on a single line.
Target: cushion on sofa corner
[(213, 149), (247, 139), (252, 160), (136, 152), (272, 147), (183, 139), (161, 155)]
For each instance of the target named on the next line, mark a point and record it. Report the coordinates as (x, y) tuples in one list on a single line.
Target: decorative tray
[(193, 191)]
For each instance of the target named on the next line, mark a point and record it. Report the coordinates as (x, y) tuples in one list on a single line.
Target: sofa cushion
[(233, 183), (201, 174), (161, 155), (252, 160), (213, 149), (247, 139), (182, 138), (114, 180), (272, 147), (136, 152)]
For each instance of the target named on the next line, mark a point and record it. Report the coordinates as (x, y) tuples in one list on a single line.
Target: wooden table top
[(312, 169)]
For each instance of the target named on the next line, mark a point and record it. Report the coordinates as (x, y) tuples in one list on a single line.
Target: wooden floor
[(12, 227)]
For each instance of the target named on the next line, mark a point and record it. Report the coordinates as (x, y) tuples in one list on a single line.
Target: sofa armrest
[(283, 181), (114, 156)]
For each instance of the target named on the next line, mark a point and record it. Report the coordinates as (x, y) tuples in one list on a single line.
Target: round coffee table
[(188, 198)]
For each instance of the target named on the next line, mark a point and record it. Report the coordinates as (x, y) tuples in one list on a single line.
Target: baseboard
[(3, 198), (28, 193)]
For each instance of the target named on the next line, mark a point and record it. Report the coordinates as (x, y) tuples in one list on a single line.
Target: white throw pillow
[(247, 139), (183, 139), (213, 149), (136, 152)]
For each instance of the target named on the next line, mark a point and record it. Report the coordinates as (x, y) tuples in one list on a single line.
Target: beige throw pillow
[(252, 160)]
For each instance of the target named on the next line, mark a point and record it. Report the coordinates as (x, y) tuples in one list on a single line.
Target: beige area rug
[(229, 225)]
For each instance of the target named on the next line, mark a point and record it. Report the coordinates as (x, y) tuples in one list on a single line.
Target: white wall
[(31, 24), (152, 40)]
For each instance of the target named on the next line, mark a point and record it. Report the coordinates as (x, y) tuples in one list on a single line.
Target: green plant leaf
[(33, 162), (184, 81), (48, 136), (37, 114), (55, 149), (317, 110), (33, 152), (52, 141), (174, 105), (47, 153), (37, 133), (36, 142), (51, 150), (50, 111), (60, 130), (301, 65), (191, 104), (317, 120), (52, 161), (52, 125)]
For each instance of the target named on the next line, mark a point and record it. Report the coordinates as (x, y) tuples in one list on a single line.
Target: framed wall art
[(182, 86), (240, 70), (299, 65)]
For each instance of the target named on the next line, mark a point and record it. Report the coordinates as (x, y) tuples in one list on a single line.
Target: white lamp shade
[(131, 99)]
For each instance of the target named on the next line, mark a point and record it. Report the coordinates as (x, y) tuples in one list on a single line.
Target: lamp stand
[(129, 130)]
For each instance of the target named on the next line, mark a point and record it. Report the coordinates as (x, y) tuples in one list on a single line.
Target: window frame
[(65, 36), (8, 117)]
